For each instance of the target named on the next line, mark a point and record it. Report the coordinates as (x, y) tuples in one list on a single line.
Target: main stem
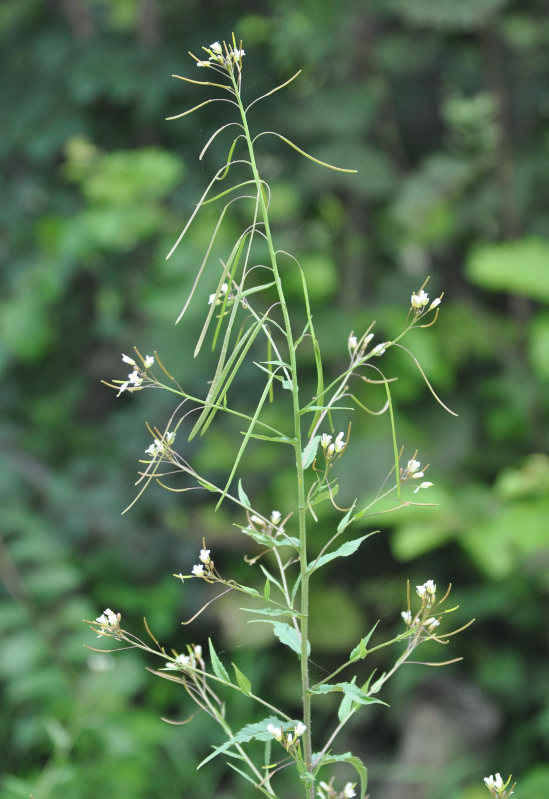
[(301, 502)]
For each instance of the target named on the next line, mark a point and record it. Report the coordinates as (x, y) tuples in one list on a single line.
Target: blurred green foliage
[(443, 110)]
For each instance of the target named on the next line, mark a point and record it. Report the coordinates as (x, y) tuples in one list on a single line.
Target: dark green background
[(443, 109)]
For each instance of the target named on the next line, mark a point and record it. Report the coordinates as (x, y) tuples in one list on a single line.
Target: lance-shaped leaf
[(346, 549), (242, 680), (217, 666), (243, 497), (309, 453), (360, 651)]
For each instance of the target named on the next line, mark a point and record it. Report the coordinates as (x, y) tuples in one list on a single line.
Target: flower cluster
[(290, 740), (422, 621), (160, 446), (205, 566), (267, 527), (427, 592), (414, 471), (186, 662), (223, 55), (136, 377), (109, 622), (357, 347), (327, 791), (332, 447), (419, 301), (497, 787)]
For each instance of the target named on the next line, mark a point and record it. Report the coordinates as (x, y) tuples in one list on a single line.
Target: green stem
[(301, 499)]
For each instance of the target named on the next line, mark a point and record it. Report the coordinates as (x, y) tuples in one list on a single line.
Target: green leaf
[(269, 541), (346, 549), (344, 523), (267, 588), (217, 666), (322, 760), (251, 732), (273, 612), (286, 635), (243, 497), (309, 453), (350, 689), (242, 680), (360, 651)]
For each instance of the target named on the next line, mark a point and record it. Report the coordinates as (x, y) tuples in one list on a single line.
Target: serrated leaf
[(217, 666), (242, 680), (347, 757), (360, 651), (346, 549), (242, 496), (309, 453)]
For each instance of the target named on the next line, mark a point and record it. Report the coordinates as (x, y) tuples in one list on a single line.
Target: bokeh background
[(444, 110)]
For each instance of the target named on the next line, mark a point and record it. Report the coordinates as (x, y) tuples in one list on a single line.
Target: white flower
[(352, 343), (224, 288), (331, 450), (435, 303), (211, 298), (202, 63), (198, 570), (149, 360), (237, 54), (169, 438), (425, 484), (349, 790), (256, 520), (276, 516), (339, 444), (127, 359), (109, 622), (276, 732), (367, 339), (407, 616), (181, 662), (289, 739), (122, 388), (197, 649), (215, 48), (496, 783), (428, 587), (379, 349), (300, 728), (134, 378), (204, 555), (432, 623), (419, 300), (413, 470), (325, 440)]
